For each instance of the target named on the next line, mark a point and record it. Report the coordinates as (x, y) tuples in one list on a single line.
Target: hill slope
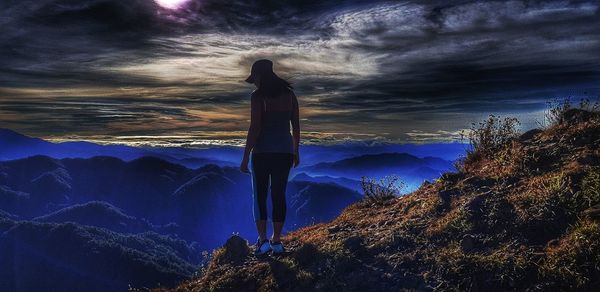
[(98, 214), (525, 219), (69, 257)]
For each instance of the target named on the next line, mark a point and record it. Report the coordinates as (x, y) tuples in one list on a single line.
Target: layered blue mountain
[(16, 146), (311, 202), (106, 216), (202, 205), (96, 222), (411, 169), (312, 154), (342, 181), (70, 257), (6, 215)]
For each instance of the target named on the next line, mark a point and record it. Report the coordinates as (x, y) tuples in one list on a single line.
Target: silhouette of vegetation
[(378, 191), (488, 137), (556, 109)]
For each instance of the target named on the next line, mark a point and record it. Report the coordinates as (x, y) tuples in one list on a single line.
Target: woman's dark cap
[(261, 67)]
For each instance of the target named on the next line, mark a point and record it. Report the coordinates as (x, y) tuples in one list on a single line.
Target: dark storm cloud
[(81, 114), (56, 43), (471, 58), (477, 50), (394, 67)]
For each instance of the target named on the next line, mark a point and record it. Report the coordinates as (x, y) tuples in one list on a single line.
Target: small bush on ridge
[(488, 137), (381, 190), (556, 109)]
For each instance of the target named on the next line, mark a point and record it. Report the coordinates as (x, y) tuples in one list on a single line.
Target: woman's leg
[(277, 227), (261, 227), (279, 177), (260, 187)]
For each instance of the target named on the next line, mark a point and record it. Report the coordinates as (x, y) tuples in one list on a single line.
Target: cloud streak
[(403, 71)]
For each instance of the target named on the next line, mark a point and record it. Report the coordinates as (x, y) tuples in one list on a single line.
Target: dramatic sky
[(144, 71)]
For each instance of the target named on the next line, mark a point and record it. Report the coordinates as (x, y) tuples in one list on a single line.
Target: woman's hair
[(271, 86)]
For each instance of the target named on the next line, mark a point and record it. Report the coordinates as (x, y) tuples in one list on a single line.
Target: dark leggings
[(275, 166)]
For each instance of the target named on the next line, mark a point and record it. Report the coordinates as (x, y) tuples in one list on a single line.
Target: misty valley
[(77, 215)]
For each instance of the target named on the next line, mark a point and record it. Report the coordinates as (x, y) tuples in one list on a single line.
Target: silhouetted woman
[(272, 148)]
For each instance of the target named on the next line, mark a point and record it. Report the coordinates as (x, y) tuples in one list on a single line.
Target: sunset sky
[(171, 72)]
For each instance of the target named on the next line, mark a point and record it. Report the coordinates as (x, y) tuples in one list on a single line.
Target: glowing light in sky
[(171, 4)]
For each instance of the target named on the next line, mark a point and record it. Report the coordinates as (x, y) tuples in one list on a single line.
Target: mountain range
[(15, 146), (75, 209)]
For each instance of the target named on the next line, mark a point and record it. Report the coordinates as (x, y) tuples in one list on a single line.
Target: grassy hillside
[(522, 213)]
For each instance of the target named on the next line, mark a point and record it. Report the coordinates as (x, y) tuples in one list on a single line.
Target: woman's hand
[(244, 166), (296, 159)]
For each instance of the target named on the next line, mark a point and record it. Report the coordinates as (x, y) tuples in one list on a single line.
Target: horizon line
[(203, 140)]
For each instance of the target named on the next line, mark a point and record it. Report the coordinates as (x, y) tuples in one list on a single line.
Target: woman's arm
[(253, 131), (296, 128)]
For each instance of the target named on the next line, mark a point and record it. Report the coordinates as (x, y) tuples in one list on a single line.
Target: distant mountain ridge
[(411, 169), (383, 160), (104, 211), (98, 214), (14, 145), (197, 201), (221, 155), (140, 202), (346, 182)]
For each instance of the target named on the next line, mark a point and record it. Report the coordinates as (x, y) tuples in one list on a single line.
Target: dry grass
[(512, 221), (574, 263)]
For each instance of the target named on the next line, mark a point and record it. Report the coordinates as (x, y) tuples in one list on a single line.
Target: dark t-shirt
[(275, 124)]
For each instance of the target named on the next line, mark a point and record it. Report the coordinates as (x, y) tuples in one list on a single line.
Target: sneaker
[(262, 247), (277, 247)]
